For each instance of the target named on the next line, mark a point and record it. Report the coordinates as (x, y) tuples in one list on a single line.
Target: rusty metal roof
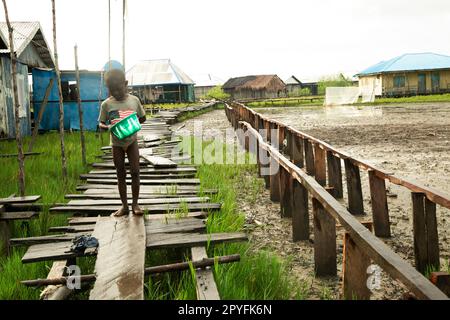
[(25, 33), (156, 72), (250, 82)]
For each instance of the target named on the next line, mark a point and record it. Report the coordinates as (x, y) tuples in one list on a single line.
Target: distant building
[(160, 81), (255, 87), (32, 52), (204, 83), (294, 85), (409, 74)]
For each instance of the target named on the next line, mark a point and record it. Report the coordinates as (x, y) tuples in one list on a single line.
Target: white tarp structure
[(341, 95)]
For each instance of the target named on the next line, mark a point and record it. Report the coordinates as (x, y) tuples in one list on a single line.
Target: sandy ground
[(410, 140)]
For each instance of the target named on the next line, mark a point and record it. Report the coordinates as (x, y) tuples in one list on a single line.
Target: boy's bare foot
[(121, 212), (137, 210)]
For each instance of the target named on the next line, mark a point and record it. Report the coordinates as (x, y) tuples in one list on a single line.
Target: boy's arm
[(103, 117), (140, 112)]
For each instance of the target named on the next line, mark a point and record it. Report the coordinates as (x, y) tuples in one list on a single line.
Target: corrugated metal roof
[(156, 72), (24, 33), (207, 80), (410, 62)]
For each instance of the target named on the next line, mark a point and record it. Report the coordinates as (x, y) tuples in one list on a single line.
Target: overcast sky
[(240, 37)]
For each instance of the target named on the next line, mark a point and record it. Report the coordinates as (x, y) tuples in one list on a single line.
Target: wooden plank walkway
[(169, 193)]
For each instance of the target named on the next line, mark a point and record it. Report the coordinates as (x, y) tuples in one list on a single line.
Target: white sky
[(241, 37)]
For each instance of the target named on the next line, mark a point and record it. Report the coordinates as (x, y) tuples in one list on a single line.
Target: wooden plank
[(309, 156), (153, 217), (297, 151), (174, 226), (145, 151), (354, 190), (286, 201), (300, 214), (26, 215), (354, 269), (160, 189), (120, 263), (26, 199), (115, 195), (182, 181), (192, 240), (140, 201), (143, 176), (320, 166), (324, 241), (274, 181), (206, 286), (158, 161), (335, 175), (426, 244), (56, 292), (51, 251), (157, 208), (380, 211), (149, 171)]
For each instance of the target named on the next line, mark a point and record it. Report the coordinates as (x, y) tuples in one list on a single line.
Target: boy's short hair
[(114, 76)]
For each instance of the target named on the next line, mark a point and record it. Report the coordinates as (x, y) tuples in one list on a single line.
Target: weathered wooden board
[(192, 240), (45, 239), (153, 217), (143, 189), (56, 292), (120, 263), (206, 286), (140, 201), (144, 176), (148, 170), (157, 208), (158, 161), (148, 182), (26, 199), (19, 215), (50, 251), (100, 196)]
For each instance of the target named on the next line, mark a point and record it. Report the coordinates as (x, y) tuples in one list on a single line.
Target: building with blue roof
[(408, 74)]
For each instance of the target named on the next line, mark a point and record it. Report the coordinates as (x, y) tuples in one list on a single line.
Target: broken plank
[(26, 199), (26, 215), (192, 240), (120, 263), (206, 286)]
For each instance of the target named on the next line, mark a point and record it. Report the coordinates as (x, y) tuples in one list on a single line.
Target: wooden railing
[(293, 158)]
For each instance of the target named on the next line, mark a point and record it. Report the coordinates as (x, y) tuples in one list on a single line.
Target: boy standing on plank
[(119, 105)]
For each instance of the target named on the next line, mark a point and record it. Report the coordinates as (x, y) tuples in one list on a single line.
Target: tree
[(217, 93)]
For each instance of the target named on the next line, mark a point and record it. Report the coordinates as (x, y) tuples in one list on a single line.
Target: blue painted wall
[(91, 90)]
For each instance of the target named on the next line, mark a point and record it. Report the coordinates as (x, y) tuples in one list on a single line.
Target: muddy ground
[(412, 141)]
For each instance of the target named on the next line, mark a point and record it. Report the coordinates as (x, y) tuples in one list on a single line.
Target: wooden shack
[(255, 87)]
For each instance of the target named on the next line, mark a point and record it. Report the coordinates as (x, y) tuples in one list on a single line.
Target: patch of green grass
[(43, 176), (414, 99), (169, 106), (287, 102), (193, 114)]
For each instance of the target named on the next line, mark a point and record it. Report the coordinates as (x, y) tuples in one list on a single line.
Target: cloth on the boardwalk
[(83, 242), (113, 111)]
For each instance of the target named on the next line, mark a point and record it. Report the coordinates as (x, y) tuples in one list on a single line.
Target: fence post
[(426, 242), (380, 211), (300, 214), (309, 157), (354, 190), (324, 241), (297, 150), (274, 180), (320, 166), (335, 175), (285, 193)]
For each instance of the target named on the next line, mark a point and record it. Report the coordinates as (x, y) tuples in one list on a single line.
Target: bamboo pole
[(123, 34), (80, 109), (61, 104), (20, 156), (206, 262)]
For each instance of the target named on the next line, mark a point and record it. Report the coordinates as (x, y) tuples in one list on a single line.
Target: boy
[(119, 105)]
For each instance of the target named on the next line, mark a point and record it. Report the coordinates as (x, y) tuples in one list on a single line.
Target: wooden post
[(354, 269), (123, 34), (309, 157), (37, 121), (281, 137), (265, 168), (4, 235), (380, 211), (324, 241), (268, 131), (20, 156), (274, 180), (320, 166), (80, 109), (300, 215), (426, 242), (355, 197), (274, 140), (297, 151), (285, 193), (61, 104), (289, 143), (335, 175)]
